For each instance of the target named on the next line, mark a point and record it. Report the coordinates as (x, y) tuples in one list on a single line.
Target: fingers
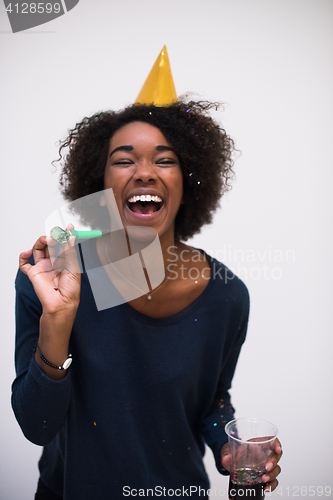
[(24, 261), (71, 260), (276, 455), (226, 458), (67, 260), (272, 485), (52, 249), (226, 462), (272, 467), (269, 477), (45, 248), (40, 250), (277, 447)]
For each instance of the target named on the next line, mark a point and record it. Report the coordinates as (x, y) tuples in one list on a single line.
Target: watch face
[(67, 363)]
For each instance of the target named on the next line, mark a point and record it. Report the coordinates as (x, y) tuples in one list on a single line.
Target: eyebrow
[(165, 148), (122, 148), (130, 148)]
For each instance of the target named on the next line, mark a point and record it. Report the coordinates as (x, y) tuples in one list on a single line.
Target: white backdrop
[(270, 61)]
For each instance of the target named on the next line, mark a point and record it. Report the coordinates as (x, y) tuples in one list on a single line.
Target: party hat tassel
[(158, 88)]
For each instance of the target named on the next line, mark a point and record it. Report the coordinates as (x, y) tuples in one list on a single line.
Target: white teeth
[(146, 197)]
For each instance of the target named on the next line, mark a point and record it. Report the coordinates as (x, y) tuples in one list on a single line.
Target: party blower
[(63, 235)]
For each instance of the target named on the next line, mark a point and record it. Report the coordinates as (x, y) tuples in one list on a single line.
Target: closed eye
[(123, 162), (166, 162)]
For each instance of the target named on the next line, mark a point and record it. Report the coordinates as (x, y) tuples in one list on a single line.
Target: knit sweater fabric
[(141, 397)]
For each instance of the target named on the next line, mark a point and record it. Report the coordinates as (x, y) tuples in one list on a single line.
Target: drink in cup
[(251, 446)]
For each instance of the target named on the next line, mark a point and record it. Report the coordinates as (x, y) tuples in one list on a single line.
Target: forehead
[(138, 133)]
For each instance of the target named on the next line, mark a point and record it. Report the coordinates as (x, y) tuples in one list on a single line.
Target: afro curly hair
[(202, 146)]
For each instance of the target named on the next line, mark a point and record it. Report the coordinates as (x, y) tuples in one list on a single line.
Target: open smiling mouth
[(145, 204)]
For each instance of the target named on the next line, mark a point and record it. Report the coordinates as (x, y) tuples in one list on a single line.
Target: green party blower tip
[(62, 235)]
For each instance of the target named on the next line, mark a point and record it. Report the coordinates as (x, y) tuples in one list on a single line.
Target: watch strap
[(66, 364)]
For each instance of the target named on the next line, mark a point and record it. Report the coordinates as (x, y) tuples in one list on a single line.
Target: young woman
[(149, 381)]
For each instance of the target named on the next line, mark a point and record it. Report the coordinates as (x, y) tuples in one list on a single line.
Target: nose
[(145, 172)]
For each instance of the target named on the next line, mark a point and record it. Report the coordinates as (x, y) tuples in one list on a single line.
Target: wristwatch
[(66, 364)]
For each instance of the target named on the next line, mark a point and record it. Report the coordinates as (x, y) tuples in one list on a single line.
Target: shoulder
[(223, 283), (227, 283)]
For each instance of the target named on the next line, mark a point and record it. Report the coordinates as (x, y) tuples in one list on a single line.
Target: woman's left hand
[(272, 467)]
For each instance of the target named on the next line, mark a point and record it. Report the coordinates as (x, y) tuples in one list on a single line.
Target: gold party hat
[(158, 88)]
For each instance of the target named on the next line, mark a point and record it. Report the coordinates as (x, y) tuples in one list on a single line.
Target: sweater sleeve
[(40, 404), (222, 411)]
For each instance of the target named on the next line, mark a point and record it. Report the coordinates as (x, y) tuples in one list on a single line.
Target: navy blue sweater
[(141, 396)]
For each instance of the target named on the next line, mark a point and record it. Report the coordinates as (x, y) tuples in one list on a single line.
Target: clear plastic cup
[(251, 444)]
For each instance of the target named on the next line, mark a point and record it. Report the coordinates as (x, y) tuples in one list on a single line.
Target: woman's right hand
[(57, 285)]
